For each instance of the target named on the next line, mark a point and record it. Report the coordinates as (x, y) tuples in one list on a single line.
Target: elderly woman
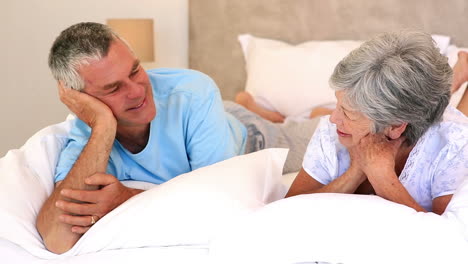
[(391, 133)]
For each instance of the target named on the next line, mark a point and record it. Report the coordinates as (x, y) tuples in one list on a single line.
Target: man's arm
[(58, 236)]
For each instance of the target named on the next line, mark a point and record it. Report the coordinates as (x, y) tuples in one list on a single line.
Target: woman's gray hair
[(395, 78), (76, 46)]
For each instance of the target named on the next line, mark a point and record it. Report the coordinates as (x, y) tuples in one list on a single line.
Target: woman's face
[(351, 125)]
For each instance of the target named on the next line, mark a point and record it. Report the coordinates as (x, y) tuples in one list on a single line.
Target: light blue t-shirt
[(436, 166), (190, 130)]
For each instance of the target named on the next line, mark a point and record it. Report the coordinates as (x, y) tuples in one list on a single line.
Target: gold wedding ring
[(92, 220)]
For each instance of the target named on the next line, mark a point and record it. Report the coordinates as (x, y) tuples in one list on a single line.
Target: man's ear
[(395, 131)]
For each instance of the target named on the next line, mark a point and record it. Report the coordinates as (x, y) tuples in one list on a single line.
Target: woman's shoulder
[(326, 140), (448, 137), (326, 131), (453, 128), (326, 158)]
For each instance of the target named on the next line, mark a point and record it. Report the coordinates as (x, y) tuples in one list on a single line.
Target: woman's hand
[(375, 152), (355, 166), (87, 108), (376, 156)]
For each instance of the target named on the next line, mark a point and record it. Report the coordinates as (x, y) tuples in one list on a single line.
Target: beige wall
[(28, 99)]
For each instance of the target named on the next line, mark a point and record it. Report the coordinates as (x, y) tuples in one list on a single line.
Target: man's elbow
[(58, 247), (56, 242)]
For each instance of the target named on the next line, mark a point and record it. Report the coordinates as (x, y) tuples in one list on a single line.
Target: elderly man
[(137, 125)]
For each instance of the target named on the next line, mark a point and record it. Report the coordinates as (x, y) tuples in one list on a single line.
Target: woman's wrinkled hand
[(375, 152), (355, 166), (87, 108)]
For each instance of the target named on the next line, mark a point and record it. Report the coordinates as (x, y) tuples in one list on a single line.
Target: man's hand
[(96, 204), (87, 108)]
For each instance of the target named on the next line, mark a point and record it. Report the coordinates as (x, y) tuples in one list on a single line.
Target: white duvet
[(233, 211), (186, 211)]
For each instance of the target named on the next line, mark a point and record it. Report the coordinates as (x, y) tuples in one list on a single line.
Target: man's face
[(119, 81)]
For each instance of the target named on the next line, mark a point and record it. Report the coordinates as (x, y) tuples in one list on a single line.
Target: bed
[(239, 217)]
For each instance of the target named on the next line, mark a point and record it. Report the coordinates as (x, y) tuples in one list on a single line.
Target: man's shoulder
[(167, 81)]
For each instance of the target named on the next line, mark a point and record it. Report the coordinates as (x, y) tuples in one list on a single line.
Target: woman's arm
[(376, 155), (439, 204), (346, 183), (387, 185)]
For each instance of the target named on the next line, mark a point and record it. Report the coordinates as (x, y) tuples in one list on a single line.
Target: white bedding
[(185, 212), (226, 212), (13, 254)]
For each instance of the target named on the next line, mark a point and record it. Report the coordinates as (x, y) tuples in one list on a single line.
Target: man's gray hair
[(76, 46), (395, 78)]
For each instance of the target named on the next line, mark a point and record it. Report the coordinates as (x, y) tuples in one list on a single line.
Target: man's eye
[(114, 89), (135, 71)]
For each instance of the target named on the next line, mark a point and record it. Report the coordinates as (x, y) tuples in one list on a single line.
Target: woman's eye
[(346, 115)]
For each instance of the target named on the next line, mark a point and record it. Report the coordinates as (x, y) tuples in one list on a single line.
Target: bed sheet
[(13, 254), (192, 207), (236, 213)]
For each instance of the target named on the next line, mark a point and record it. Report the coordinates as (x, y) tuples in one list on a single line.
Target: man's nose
[(135, 90)]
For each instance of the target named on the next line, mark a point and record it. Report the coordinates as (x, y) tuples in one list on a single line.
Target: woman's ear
[(395, 131)]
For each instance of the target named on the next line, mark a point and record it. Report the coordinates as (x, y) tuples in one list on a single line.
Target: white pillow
[(292, 79), (339, 228), (26, 180), (184, 211), (191, 208)]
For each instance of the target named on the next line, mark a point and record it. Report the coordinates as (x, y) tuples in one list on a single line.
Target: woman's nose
[(334, 117)]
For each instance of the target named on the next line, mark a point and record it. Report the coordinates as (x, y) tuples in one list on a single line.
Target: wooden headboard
[(215, 24)]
